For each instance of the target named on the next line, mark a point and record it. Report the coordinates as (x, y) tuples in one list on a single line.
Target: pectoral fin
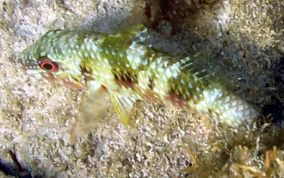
[(123, 107), (92, 108)]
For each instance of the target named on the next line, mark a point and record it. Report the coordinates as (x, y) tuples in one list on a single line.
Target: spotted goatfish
[(127, 70)]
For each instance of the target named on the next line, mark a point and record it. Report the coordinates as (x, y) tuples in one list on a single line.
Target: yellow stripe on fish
[(129, 70)]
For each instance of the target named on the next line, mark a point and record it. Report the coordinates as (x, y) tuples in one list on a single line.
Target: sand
[(244, 38)]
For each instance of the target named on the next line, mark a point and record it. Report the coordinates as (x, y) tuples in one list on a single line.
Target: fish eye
[(48, 65)]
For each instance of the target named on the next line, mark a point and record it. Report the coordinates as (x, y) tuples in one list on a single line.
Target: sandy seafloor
[(244, 38)]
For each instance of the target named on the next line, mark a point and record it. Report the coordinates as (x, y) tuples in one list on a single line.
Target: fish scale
[(128, 70)]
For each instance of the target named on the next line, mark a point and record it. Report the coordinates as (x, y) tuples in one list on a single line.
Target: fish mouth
[(25, 68), (28, 64)]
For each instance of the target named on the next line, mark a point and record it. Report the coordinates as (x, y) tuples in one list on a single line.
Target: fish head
[(53, 57)]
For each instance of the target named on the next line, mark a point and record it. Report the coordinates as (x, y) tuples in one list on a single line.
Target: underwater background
[(242, 38)]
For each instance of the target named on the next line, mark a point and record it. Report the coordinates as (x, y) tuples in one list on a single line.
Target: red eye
[(48, 65)]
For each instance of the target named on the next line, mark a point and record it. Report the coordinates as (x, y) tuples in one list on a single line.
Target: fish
[(123, 67)]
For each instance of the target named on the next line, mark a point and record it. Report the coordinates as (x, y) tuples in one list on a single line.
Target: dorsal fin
[(134, 34), (195, 65)]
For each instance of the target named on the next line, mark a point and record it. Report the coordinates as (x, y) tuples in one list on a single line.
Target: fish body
[(128, 70)]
